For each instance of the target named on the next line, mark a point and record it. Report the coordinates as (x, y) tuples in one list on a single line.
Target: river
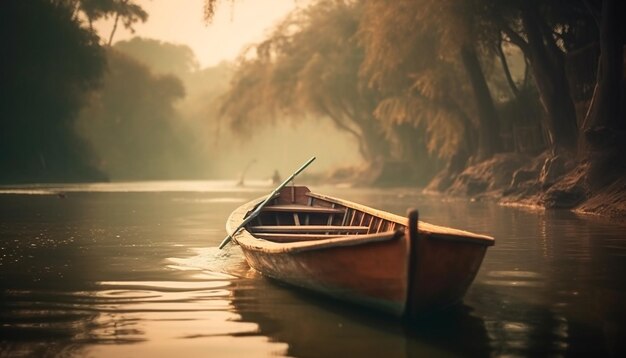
[(133, 269)]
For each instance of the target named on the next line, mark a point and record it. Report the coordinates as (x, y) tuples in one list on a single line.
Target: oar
[(257, 211)]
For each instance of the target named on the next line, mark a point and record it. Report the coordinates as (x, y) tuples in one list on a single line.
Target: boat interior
[(300, 215)]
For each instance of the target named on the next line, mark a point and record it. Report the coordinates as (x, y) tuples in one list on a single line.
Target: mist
[(157, 117), (445, 96), (132, 131)]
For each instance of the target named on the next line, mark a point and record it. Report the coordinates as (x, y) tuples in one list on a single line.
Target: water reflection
[(552, 309), (314, 326), (138, 273), (105, 273)]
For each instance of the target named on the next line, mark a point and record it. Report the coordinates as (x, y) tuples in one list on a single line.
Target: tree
[(127, 11), (463, 31), (161, 57), (607, 109), (421, 55), (423, 59), (309, 67), (605, 123), (48, 67), (209, 8), (132, 123), (544, 31)]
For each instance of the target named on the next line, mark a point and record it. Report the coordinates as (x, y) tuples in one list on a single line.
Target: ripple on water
[(518, 274), (167, 285), (196, 307), (127, 312), (212, 262), (515, 279), (224, 200)]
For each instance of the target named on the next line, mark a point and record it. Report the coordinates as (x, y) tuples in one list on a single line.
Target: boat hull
[(402, 272), (443, 272), (378, 280)]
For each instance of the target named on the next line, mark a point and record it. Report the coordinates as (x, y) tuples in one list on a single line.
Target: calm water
[(133, 270)]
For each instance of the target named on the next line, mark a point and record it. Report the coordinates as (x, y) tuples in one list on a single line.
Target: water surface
[(132, 269)]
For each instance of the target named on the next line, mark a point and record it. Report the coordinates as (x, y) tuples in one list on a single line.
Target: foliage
[(161, 56), (132, 123), (127, 10), (93, 10), (546, 31), (210, 6), (48, 65), (308, 67), (415, 64), (425, 59)]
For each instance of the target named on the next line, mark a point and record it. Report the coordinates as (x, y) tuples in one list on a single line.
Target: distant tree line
[(49, 63), (75, 108), (135, 122)]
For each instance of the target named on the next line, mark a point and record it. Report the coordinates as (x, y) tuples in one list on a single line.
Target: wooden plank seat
[(282, 237), (310, 229), (276, 237), (301, 209)]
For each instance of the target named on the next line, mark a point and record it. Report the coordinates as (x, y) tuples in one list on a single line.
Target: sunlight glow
[(234, 26)]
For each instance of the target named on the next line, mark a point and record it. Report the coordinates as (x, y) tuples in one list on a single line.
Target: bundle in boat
[(355, 253)]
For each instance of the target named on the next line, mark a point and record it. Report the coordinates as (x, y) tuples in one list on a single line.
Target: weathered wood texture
[(357, 253), (378, 280)]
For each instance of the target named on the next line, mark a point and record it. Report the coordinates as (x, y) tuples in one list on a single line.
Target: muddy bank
[(552, 182)]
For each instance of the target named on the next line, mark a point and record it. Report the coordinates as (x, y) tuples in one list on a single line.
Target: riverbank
[(510, 179), (542, 181)]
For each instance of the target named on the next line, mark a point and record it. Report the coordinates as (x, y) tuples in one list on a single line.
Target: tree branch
[(594, 13), (335, 119), (117, 18), (516, 39), (507, 70)]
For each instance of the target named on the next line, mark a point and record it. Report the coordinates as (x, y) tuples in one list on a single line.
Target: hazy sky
[(235, 25)]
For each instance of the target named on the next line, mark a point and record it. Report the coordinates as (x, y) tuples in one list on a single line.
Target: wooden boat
[(359, 254)]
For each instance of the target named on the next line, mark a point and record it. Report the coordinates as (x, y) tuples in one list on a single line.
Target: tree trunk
[(605, 133), (118, 12), (374, 139), (364, 150), (414, 153), (605, 109), (507, 70), (549, 74), (117, 18), (372, 144), (489, 126)]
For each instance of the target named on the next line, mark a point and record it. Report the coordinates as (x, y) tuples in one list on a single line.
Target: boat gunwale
[(438, 232), (250, 242)]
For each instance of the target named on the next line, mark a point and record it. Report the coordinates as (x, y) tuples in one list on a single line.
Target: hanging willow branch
[(209, 9)]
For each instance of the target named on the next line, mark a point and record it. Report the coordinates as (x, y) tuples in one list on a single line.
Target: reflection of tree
[(316, 326), (551, 286), (522, 328)]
